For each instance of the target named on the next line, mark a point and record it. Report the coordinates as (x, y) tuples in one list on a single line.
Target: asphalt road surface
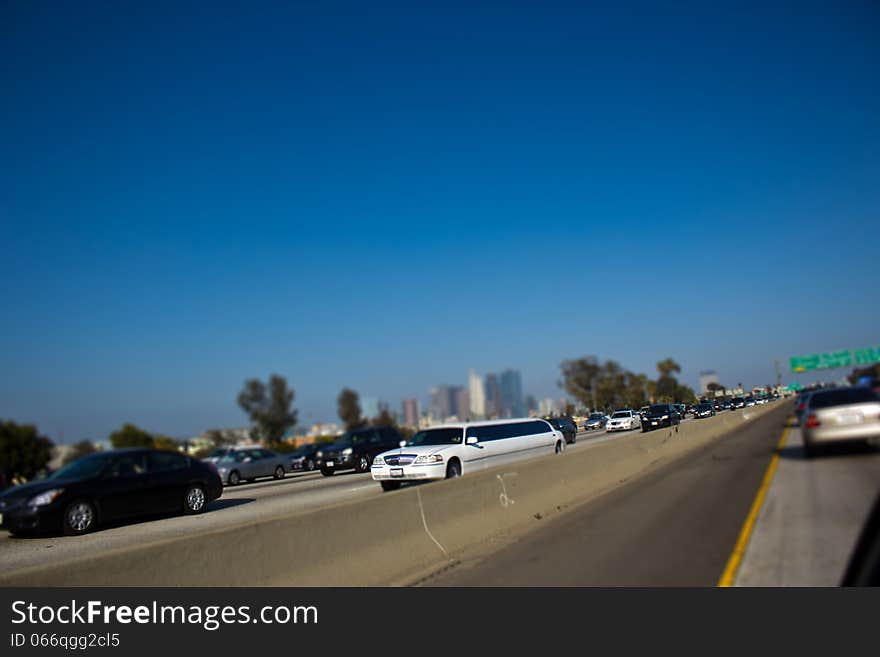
[(678, 525)]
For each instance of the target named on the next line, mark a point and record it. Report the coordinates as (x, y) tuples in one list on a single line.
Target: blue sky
[(382, 197)]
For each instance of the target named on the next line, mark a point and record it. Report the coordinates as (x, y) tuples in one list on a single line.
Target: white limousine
[(451, 450)]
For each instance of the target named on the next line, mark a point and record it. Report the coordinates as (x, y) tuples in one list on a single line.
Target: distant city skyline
[(380, 198)]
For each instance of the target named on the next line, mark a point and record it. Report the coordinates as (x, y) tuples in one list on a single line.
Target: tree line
[(25, 453), (605, 386)]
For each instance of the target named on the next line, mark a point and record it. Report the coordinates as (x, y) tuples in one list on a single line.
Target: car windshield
[(217, 453), (436, 437), (841, 397), (620, 414), (705, 407), (659, 408), (351, 438), (596, 416), (83, 468)]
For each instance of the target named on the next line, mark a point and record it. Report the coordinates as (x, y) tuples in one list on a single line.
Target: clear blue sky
[(382, 197)]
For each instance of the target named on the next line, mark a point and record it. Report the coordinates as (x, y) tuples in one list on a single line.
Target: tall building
[(477, 395), (441, 403), (410, 407), (494, 407), (511, 394), (707, 377), (462, 399)]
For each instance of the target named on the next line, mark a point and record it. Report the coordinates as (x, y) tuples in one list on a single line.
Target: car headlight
[(665, 417), (378, 461), (319, 454), (46, 497), (433, 458), (346, 451)]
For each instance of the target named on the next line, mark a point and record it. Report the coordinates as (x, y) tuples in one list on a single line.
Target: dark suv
[(356, 449), (660, 415), (566, 425)]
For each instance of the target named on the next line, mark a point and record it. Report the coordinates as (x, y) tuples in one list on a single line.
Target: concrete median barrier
[(398, 537)]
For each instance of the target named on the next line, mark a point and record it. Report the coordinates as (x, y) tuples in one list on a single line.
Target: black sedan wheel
[(362, 464), (79, 518), (279, 472), (195, 499), (309, 465)]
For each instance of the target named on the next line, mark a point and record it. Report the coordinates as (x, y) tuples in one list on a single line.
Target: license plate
[(653, 424), (329, 464), (849, 418), (396, 472)]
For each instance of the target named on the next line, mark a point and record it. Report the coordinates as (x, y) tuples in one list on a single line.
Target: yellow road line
[(729, 575)]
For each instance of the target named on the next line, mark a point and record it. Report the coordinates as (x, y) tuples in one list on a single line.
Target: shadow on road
[(219, 505), (831, 450)]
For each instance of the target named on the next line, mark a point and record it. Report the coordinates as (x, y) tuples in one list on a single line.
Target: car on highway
[(750, 401), (595, 421), (249, 464), (800, 405), (623, 420), (705, 409), (840, 414), (108, 486), (737, 402), (304, 458), (660, 415), (452, 450), (355, 450), (566, 425)]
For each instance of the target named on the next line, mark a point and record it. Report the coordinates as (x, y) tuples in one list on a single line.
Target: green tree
[(24, 453), (714, 388), (684, 395), (131, 436), (385, 418), (349, 409), (220, 438), (165, 442), (579, 379), (78, 450), (269, 407), (636, 391), (666, 388)]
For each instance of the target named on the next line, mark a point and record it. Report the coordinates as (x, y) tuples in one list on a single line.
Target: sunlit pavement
[(811, 516)]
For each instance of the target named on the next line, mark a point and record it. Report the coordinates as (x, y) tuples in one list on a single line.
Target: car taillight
[(802, 406), (812, 422)]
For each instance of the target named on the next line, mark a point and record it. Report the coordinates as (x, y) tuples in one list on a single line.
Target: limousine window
[(500, 431), (436, 437)]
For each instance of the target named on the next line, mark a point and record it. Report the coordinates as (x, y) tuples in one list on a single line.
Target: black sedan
[(660, 415), (110, 486), (566, 425), (304, 458), (705, 409)]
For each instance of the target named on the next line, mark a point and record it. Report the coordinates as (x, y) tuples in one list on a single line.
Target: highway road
[(238, 505), (675, 525), (678, 525)]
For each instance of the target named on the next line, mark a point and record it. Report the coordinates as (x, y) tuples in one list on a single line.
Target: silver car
[(250, 463), (840, 414)]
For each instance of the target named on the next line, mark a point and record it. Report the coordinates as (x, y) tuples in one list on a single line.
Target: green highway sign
[(827, 361)]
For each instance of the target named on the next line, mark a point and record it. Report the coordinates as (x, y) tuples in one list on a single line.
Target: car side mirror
[(471, 440)]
